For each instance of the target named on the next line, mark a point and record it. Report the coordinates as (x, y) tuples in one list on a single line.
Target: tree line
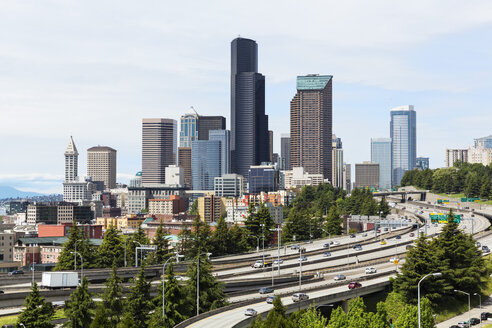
[(474, 180), (138, 309)]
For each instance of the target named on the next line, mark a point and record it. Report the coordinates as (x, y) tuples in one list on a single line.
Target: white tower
[(71, 162)]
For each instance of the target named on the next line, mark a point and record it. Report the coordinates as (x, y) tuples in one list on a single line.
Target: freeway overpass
[(421, 194)]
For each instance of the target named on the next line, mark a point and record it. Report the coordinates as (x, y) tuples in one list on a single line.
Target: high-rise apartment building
[(249, 124), (403, 133), (209, 123), (381, 154), (337, 163), (101, 167), (205, 163), (189, 128), (285, 152), (224, 136), (422, 163), (311, 125), (159, 147), (367, 175), (453, 155)]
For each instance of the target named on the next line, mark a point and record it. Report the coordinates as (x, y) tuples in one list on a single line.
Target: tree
[(473, 185), (66, 259), (161, 243), (211, 291), (221, 239), (333, 222), (112, 297), (255, 221), (356, 315), (127, 322), (338, 319), (78, 309), (101, 318), (408, 318), (312, 319), (37, 313), (138, 303), (383, 208), (111, 249), (194, 208), (137, 238), (485, 189)]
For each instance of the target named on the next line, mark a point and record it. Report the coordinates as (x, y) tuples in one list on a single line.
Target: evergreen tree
[(101, 318), (312, 319), (276, 317), (138, 302), (485, 189), (161, 243), (333, 222), (238, 240), (66, 259), (200, 238), (111, 249), (127, 322), (211, 291), (356, 315), (473, 185), (132, 243), (255, 221), (408, 318), (221, 239), (37, 313), (338, 319), (383, 208), (78, 309), (112, 298), (296, 225)]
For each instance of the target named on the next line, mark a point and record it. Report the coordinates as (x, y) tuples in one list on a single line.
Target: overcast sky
[(94, 69)]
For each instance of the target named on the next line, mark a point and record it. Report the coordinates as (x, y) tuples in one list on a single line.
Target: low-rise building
[(298, 177), (230, 185), (172, 205), (210, 208)]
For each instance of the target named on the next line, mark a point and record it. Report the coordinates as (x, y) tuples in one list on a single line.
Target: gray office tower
[(381, 154), (224, 136), (285, 152), (209, 123), (403, 133), (159, 148), (249, 124)]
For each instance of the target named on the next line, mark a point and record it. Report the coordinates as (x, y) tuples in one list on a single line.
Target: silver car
[(339, 277), (297, 297), (250, 312)]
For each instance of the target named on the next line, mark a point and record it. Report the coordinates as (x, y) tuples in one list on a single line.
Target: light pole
[(75, 256), (164, 286), (198, 281), (136, 253), (262, 225), (125, 252), (300, 268), (278, 229), (480, 303), (82, 264), (435, 274), (468, 294)]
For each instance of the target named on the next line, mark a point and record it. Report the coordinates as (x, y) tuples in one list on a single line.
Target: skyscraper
[(249, 124), (285, 152), (159, 146), (311, 125), (224, 136), (381, 154), (422, 163), (367, 175), (71, 161), (205, 163), (189, 128), (75, 189), (184, 161), (101, 166), (208, 123), (337, 163), (403, 133)]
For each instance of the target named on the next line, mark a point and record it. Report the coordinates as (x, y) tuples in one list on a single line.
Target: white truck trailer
[(59, 279)]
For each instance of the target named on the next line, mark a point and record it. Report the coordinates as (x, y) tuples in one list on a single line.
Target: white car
[(278, 262), (339, 277), (250, 312), (371, 270), (303, 258), (336, 243)]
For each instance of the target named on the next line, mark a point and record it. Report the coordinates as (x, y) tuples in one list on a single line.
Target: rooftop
[(313, 82), (101, 148)]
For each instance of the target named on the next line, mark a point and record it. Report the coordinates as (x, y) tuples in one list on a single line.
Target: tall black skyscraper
[(249, 124)]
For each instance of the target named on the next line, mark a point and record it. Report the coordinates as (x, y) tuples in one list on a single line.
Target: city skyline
[(111, 89)]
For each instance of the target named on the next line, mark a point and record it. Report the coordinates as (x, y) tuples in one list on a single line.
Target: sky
[(94, 69)]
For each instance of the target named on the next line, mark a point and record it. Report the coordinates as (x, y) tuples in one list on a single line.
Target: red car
[(354, 285)]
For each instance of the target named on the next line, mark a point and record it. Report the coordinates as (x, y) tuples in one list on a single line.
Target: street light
[(75, 256), (468, 294), (262, 225), (82, 263), (300, 268), (278, 229), (435, 274), (136, 253), (164, 286), (198, 280), (480, 303)]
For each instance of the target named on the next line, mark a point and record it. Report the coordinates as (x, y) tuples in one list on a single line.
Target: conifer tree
[(112, 298), (66, 259), (138, 302), (111, 249), (161, 243), (37, 313), (78, 309), (333, 222), (221, 240), (101, 318), (127, 322), (133, 242)]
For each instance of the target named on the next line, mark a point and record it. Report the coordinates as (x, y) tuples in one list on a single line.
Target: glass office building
[(422, 163), (403, 133), (224, 136), (263, 178), (381, 154), (189, 128), (205, 163)]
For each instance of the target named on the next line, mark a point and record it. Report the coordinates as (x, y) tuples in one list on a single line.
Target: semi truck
[(53, 280)]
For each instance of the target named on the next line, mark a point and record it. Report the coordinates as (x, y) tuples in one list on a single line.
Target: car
[(485, 315), (398, 237), (326, 254), (478, 244), (352, 236), (297, 297), (383, 242), (357, 247), (15, 272), (2, 292), (302, 258), (266, 290), (180, 278), (293, 247), (371, 270), (276, 262), (336, 243), (485, 249), (270, 299), (354, 285), (412, 234), (378, 231), (339, 277), (473, 215), (474, 321), (463, 324), (364, 234), (454, 326), (250, 313), (327, 245), (385, 229)]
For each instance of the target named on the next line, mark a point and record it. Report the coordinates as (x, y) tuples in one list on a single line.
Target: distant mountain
[(10, 192)]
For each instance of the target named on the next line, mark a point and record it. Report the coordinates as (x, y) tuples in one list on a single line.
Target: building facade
[(453, 155), (230, 185), (224, 136), (209, 123), (174, 175), (311, 125), (485, 142), (367, 175), (285, 152), (263, 178), (249, 124), (381, 154), (101, 167), (480, 156), (422, 163), (184, 161), (337, 163), (75, 189), (210, 208), (205, 163), (403, 134), (159, 147), (347, 177), (189, 128)]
